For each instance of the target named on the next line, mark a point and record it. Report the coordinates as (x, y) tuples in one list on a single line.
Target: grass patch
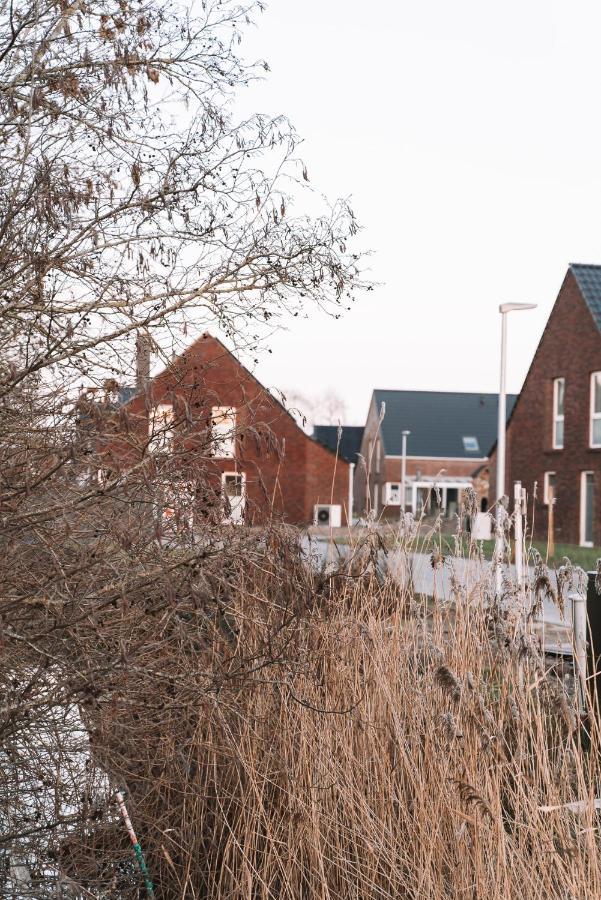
[(586, 557)]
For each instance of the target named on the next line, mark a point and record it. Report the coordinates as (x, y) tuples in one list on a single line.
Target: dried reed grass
[(393, 747)]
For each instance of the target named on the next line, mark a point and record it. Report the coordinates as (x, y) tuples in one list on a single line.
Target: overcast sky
[(468, 135)]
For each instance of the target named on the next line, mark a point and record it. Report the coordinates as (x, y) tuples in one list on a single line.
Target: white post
[(501, 434), (519, 512), (501, 429), (404, 471), (351, 494), (502, 417), (518, 531), (579, 642)]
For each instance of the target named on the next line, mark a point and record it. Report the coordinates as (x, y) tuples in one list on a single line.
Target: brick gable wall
[(570, 347), (286, 471)]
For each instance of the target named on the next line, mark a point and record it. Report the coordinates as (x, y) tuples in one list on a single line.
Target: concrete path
[(416, 568)]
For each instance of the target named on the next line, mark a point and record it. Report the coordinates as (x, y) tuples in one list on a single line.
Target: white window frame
[(387, 493), (546, 486), (240, 475), (594, 416), (160, 436), (223, 432), (242, 495), (470, 437), (583, 481), (558, 417)]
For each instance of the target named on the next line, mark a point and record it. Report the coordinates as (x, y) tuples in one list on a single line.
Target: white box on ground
[(481, 527)]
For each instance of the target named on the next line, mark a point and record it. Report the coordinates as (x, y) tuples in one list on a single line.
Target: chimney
[(143, 343)]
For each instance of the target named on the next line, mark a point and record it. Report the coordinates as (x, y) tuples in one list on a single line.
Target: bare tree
[(131, 201), (324, 408), (129, 192)]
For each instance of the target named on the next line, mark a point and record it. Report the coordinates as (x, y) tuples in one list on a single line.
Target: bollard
[(519, 511), (578, 600)]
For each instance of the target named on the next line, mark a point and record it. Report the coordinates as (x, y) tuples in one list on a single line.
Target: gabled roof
[(588, 279), (439, 421), (128, 393), (350, 439)]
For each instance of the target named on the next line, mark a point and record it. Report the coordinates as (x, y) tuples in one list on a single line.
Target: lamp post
[(504, 309), (403, 470), (351, 494)]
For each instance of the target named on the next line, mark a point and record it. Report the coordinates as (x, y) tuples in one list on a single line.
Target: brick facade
[(570, 348), (286, 472)]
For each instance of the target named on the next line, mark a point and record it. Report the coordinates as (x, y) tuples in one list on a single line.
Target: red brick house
[(210, 418), (447, 451), (554, 432)]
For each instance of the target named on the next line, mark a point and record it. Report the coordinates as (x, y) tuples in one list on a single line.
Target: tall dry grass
[(392, 747)]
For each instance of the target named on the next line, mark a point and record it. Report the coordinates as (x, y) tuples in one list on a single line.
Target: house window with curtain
[(595, 428), (559, 389)]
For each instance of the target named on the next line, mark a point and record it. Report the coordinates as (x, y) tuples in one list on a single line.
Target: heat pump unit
[(329, 514)]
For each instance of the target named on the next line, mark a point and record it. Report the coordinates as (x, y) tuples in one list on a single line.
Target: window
[(223, 431), (233, 485), (392, 494), (549, 488), (160, 428), (471, 445), (559, 389), (587, 508), (595, 432), (234, 496), (378, 456)]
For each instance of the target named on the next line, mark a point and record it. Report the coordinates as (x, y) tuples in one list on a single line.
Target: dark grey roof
[(125, 394), (438, 422), (350, 440), (588, 279)]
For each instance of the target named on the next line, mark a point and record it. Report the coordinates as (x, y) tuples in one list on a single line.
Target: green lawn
[(586, 557), (579, 556)]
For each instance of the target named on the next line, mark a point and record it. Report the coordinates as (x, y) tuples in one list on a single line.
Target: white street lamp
[(504, 309), (403, 470)]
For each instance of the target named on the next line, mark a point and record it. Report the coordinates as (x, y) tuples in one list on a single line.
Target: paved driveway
[(473, 575)]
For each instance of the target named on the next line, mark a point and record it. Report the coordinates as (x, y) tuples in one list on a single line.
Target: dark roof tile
[(350, 440), (588, 279), (438, 422)]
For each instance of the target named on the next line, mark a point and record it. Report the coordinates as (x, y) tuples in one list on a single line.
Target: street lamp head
[(406, 433), (514, 307)]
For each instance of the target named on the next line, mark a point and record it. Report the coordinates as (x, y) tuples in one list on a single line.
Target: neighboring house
[(447, 451), (212, 421), (554, 433)]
